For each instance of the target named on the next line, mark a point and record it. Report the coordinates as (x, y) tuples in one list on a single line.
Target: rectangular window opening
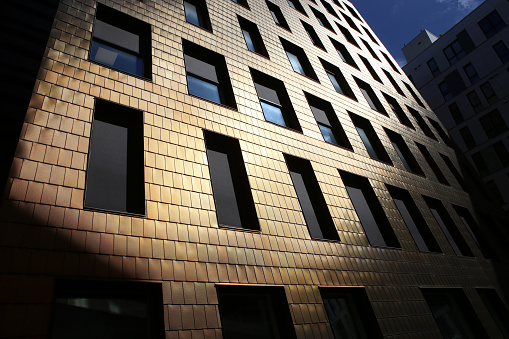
[(277, 15), (197, 13), (338, 80), (396, 109), (343, 53), (370, 96), (370, 139), (432, 164), (312, 35), (404, 152), (252, 37), (298, 59)]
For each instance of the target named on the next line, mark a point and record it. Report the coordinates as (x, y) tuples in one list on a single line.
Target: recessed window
[(449, 228), (457, 175), (370, 96), (242, 3), (343, 53), (295, 4), (121, 42), (475, 231), (393, 66), (475, 102), (328, 122), (197, 13), (444, 89), (277, 15), (370, 68), (433, 67), (414, 95), (456, 114), (313, 205), (422, 124), (502, 51), (107, 309), (501, 152), (337, 3), (207, 75), (454, 52), (432, 164), (351, 23), (491, 24), (396, 109), (468, 138), (329, 8), (368, 136), (337, 79), (488, 93), (371, 36), (252, 37), (230, 185), (353, 12), (492, 187), (453, 313), (394, 83), (298, 59), (115, 172), (275, 102), (369, 211), (414, 220), (404, 152), (312, 35), (371, 51), (493, 124), (471, 73), (350, 313), (322, 20), (480, 164), (441, 132), (348, 36), (254, 312), (496, 308), (487, 161)]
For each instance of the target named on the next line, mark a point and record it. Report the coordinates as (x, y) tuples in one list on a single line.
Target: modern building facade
[(463, 76), (218, 168)]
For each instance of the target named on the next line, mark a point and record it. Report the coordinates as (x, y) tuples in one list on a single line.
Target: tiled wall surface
[(46, 233)]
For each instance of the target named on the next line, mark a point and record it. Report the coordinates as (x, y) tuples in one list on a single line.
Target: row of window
[(105, 309), (115, 178)]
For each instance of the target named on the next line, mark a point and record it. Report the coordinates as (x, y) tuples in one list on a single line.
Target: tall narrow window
[(348, 36), (277, 15), (298, 59), (454, 52), (328, 122), (343, 53), (368, 136), (433, 67), (115, 162), (394, 83), (393, 65), (242, 3), (350, 313), (496, 308), (432, 164), (312, 35), (502, 51), (444, 89), (295, 4), (453, 313), (370, 69), (254, 312), (422, 124), (451, 231), (329, 8), (493, 124), (351, 23), (457, 175), (230, 185), (275, 102), (456, 114), (414, 220), (315, 210), (337, 79), (475, 231), (122, 42), (475, 102), (480, 164), (371, 51), (353, 12), (207, 75), (414, 95), (396, 109), (441, 132), (322, 20), (501, 152), (370, 96), (197, 13), (488, 93), (468, 138), (252, 37), (404, 152), (371, 36), (491, 24), (471, 73), (371, 214)]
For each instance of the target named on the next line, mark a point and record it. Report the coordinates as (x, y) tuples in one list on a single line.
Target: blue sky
[(396, 22)]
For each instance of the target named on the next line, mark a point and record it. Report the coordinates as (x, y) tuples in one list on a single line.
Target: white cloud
[(464, 6)]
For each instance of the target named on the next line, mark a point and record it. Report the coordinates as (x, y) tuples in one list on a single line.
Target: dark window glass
[(393, 66), (106, 309), (298, 59), (453, 313), (396, 108), (502, 51), (444, 89), (368, 136), (275, 102), (122, 42), (394, 83), (456, 114), (322, 20), (480, 164), (414, 95), (493, 124), (475, 231), (433, 67), (343, 53), (351, 23), (468, 138), (432, 164), (404, 152), (457, 175), (370, 69), (371, 36), (328, 122), (254, 312), (353, 12), (242, 2), (295, 4), (371, 51), (207, 75), (336, 2), (197, 13), (337, 79), (348, 36), (501, 152), (422, 124), (475, 102), (451, 231), (312, 35), (489, 93), (454, 52), (277, 15), (496, 308), (349, 312), (329, 8), (414, 220), (230, 185), (491, 24), (471, 73), (370, 96), (492, 187), (441, 132), (252, 36), (371, 214), (115, 163), (313, 205)]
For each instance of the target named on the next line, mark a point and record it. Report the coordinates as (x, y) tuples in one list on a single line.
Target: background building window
[(475, 102), (471, 73), (454, 52), (488, 93), (456, 114), (122, 42), (493, 124), (115, 172), (252, 37), (468, 137), (502, 51), (444, 89), (491, 24), (433, 67), (197, 13), (230, 185)]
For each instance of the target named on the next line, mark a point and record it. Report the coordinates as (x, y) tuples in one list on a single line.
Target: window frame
[(454, 52), (202, 14), (491, 24), (502, 52), (433, 67)]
